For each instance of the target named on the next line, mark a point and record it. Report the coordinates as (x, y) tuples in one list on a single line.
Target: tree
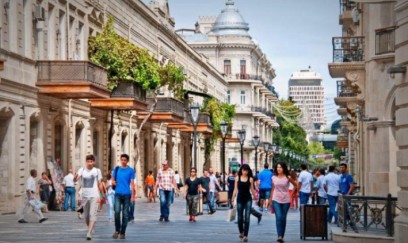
[(316, 148)]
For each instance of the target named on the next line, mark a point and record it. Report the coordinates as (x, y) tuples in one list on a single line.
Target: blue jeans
[(132, 211), (212, 200), (281, 211), (111, 201), (165, 201), (304, 198), (332, 208), (321, 200), (244, 217), (122, 203), (69, 194)]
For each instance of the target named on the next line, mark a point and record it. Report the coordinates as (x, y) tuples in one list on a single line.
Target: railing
[(385, 40), (348, 49), (245, 76), (263, 110), (343, 90), (71, 71), (346, 5), (168, 104), (371, 214), (202, 118)]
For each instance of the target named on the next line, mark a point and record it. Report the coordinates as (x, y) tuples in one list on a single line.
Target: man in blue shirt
[(265, 186), (123, 178), (346, 181)]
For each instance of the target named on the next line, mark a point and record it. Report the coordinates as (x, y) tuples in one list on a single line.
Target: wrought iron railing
[(368, 213), (344, 90), (348, 49), (71, 71), (167, 104), (203, 118), (385, 40), (263, 110), (245, 76)]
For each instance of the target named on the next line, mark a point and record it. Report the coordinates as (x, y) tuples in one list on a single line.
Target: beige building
[(371, 60), (44, 46), (226, 42)]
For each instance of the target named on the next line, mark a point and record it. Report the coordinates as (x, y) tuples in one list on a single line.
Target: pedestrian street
[(66, 227)]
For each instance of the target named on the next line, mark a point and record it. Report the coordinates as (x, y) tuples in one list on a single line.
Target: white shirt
[(213, 180), (90, 180), (31, 184), (177, 178), (321, 180), (69, 180), (332, 181), (305, 178)]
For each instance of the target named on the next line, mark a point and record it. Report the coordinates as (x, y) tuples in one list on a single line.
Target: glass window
[(227, 67), (243, 68), (242, 97), (229, 97)]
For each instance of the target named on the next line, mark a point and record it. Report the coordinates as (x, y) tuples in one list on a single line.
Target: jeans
[(332, 208), (207, 197), (122, 203), (131, 211), (321, 200), (165, 201), (111, 201), (69, 193), (281, 211), (212, 199), (304, 198), (244, 217)]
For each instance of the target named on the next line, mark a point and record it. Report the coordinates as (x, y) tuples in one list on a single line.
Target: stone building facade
[(37, 127)]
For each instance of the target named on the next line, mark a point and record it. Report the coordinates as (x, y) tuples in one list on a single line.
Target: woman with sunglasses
[(192, 187)]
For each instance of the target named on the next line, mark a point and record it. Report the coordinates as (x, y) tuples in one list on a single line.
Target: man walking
[(305, 184), (91, 181), (31, 191), (265, 186), (69, 189), (165, 182), (213, 182), (321, 192), (332, 185), (205, 183), (346, 188), (123, 178)]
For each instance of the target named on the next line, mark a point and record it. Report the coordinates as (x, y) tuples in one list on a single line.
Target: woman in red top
[(280, 197)]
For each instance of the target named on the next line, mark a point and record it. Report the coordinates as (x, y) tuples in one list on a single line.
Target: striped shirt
[(165, 179)]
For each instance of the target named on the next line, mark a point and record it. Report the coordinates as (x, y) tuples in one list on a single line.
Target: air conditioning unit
[(39, 14)]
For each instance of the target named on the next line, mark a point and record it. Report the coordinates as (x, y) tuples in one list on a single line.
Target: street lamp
[(255, 142), (266, 148), (241, 135), (275, 149), (194, 110), (224, 127)]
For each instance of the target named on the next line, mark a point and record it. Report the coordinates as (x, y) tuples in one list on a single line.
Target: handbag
[(232, 214), (36, 203)]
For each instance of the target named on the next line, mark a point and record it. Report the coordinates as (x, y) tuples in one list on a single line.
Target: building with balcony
[(54, 103), (370, 59), (227, 44), (307, 92)]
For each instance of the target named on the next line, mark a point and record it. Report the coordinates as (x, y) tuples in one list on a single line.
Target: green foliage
[(125, 61), (314, 149)]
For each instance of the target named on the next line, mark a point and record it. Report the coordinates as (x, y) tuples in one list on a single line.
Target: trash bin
[(313, 221)]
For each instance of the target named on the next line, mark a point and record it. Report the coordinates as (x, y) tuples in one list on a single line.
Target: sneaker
[(191, 218), (115, 235), (42, 220), (88, 236), (211, 212), (122, 236), (161, 219), (245, 239), (22, 221), (166, 220), (259, 218)]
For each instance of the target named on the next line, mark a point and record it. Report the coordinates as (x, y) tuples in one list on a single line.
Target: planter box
[(129, 90)]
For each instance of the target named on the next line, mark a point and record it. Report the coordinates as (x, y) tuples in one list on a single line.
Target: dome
[(230, 22)]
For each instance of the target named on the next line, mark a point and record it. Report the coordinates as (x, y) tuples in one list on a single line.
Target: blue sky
[(294, 34)]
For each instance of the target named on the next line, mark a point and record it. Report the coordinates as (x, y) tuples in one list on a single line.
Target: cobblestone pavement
[(66, 227)]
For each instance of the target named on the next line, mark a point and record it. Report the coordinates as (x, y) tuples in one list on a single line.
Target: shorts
[(150, 188), (264, 193), (90, 206)]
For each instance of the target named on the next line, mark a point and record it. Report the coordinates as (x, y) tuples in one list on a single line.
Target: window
[(242, 97), (227, 67), (229, 97), (243, 69)]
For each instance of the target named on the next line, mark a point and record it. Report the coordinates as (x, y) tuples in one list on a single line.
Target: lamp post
[(194, 110), (266, 148), (255, 142), (224, 126), (241, 135), (275, 149)]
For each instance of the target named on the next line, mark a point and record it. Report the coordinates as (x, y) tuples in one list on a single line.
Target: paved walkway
[(66, 227)]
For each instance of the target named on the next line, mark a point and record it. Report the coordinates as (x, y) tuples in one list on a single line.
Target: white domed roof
[(230, 22)]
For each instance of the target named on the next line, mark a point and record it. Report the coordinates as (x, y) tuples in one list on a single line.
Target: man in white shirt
[(305, 183), (31, 191), (213, 183), (91, 181), (321, 193), (332, 186), (69, 189)]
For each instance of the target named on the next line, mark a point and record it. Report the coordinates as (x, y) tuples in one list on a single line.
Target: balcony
[(265, 114), (72, 79), (204, 124), (343, 90), (167, 110), (385, 40), (346, 6), (348, 54)]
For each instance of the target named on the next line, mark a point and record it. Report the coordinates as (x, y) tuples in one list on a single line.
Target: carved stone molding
[(357, 80)]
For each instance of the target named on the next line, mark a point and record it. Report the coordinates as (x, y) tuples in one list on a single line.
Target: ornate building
[(225, 41), (54, 103)]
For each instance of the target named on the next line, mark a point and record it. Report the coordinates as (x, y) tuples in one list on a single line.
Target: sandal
[(241, 236), (245, 239)]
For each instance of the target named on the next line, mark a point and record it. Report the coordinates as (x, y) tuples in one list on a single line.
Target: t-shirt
[(149, 180), (205, 183), (320, 186), (231, 183), (30, 184), (332, 181), (177, 178), (123, 178), (213, 181), (280, 189), (69, 180), (193, 186), (90, 179), (265, 179), (305, 178), (345, 181)]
